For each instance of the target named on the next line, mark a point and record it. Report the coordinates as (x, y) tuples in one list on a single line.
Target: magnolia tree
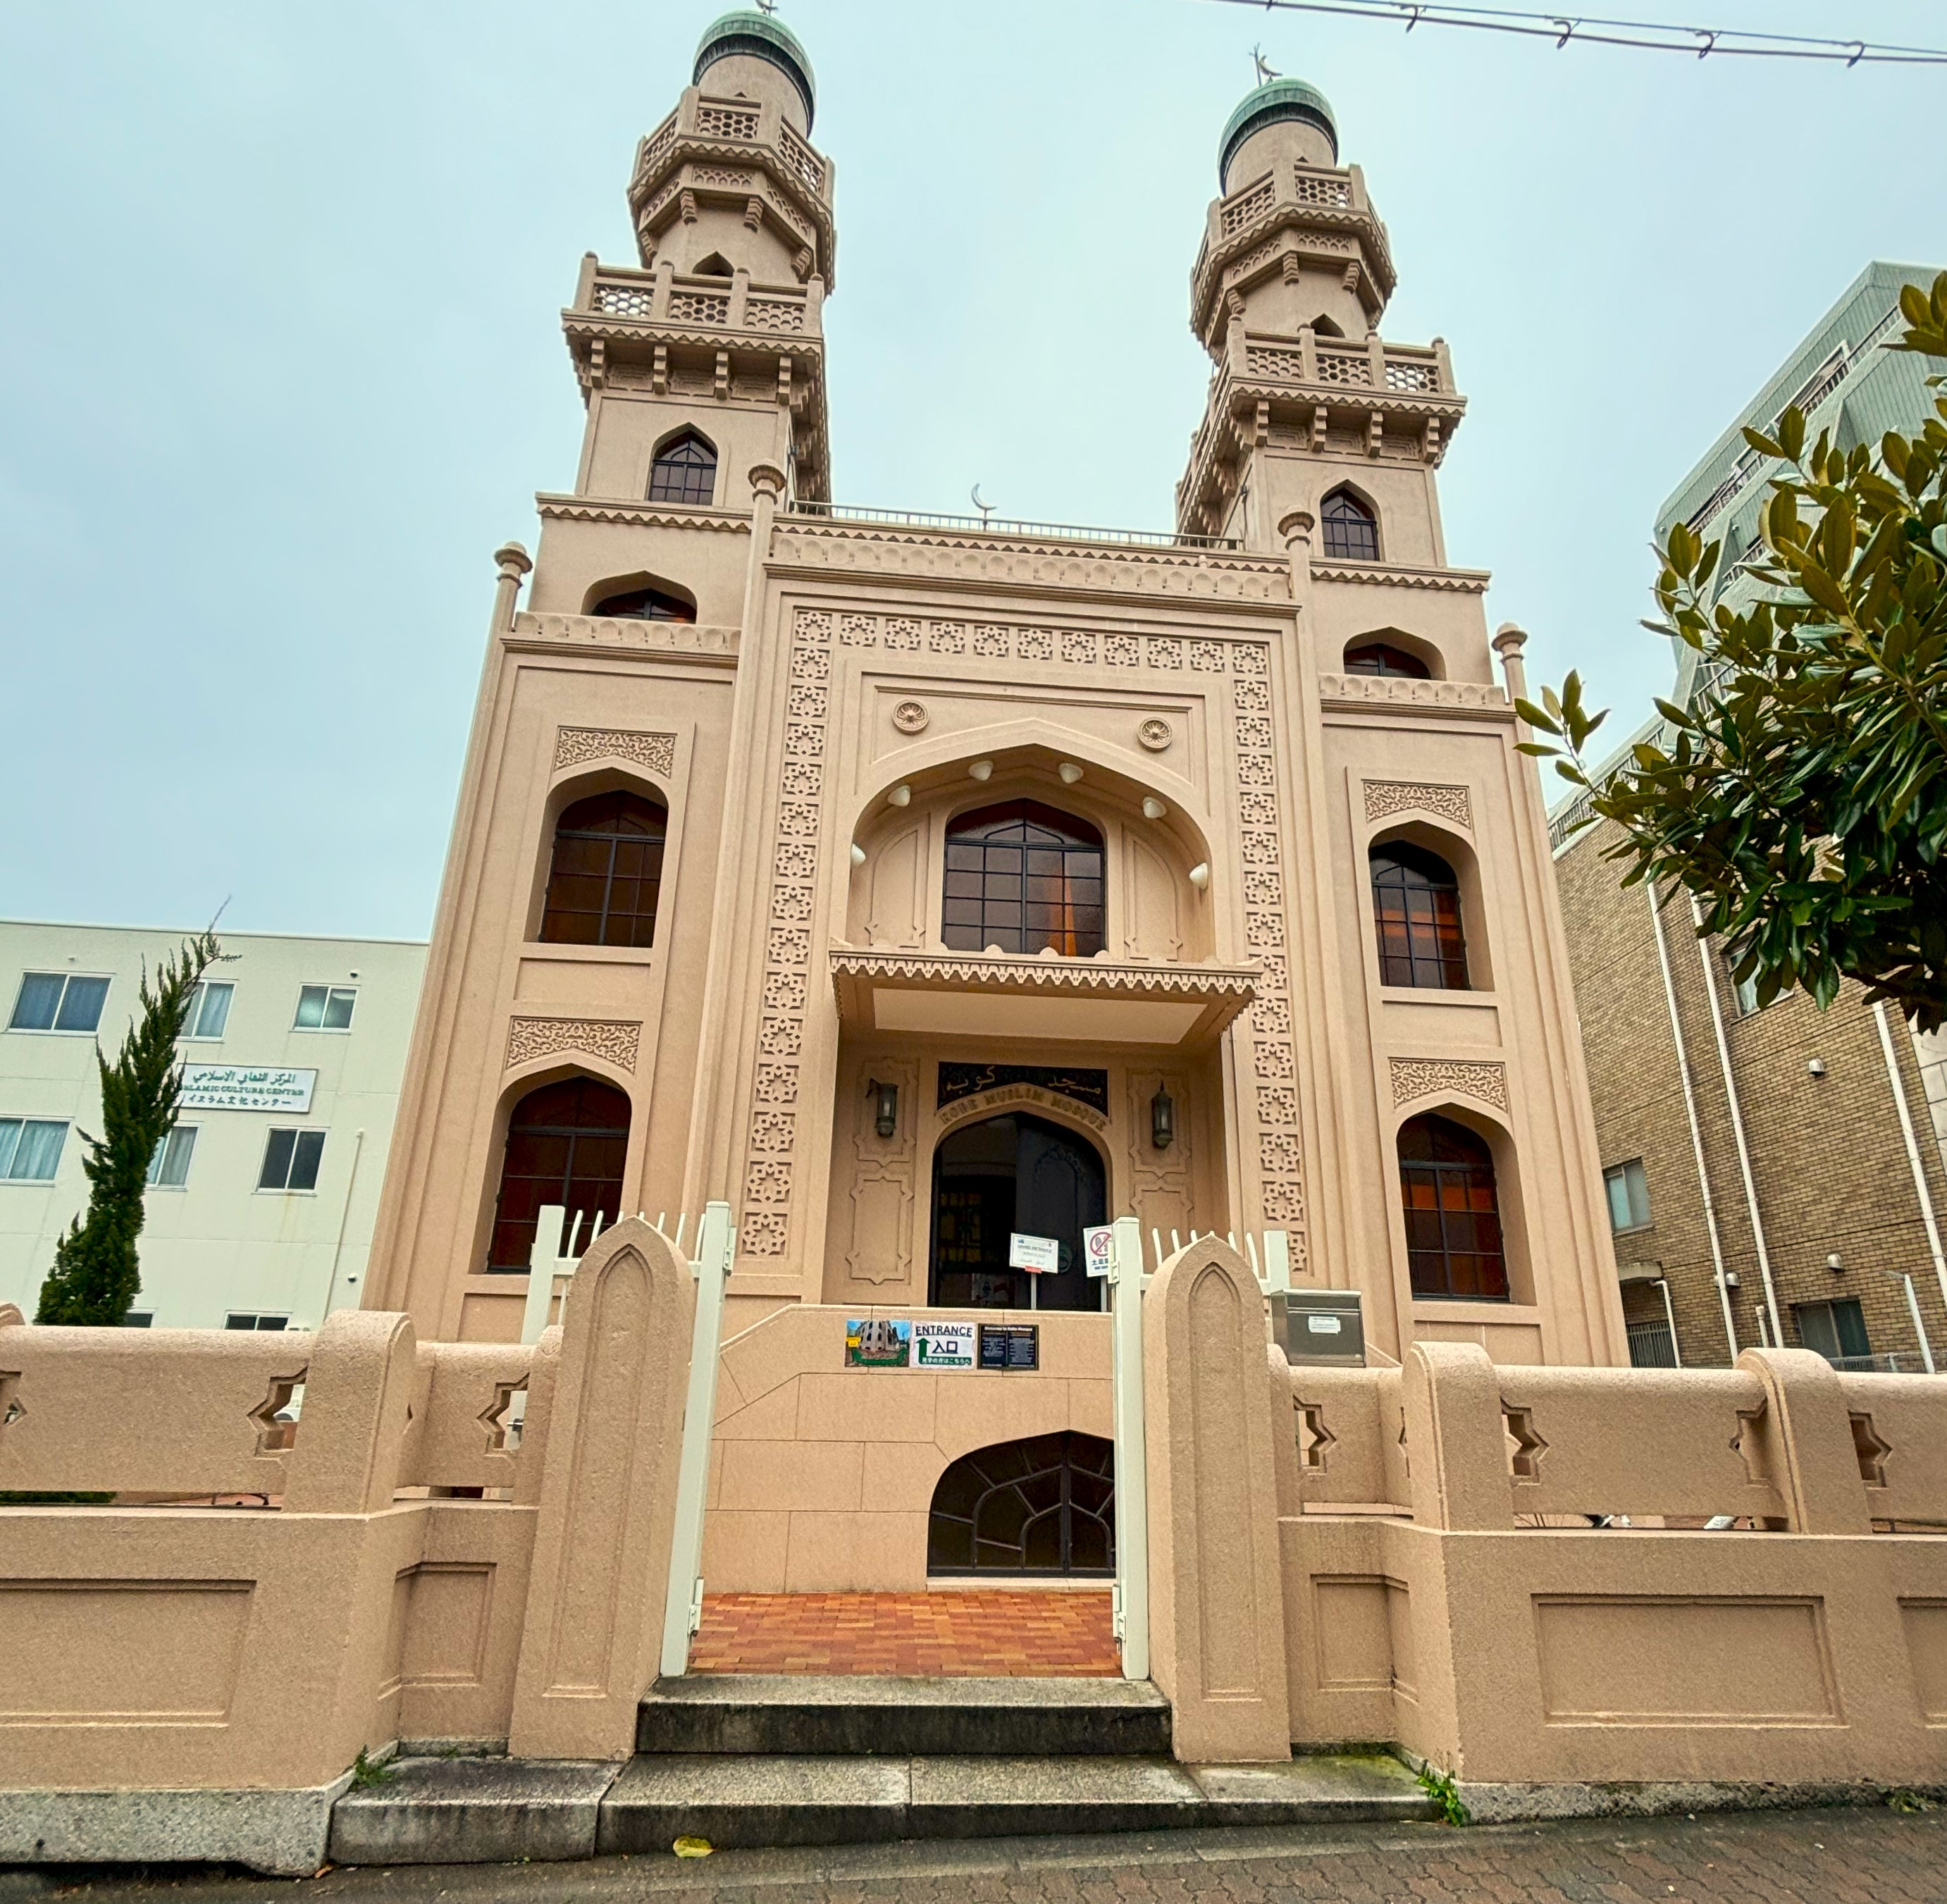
[(96, 1272), (1801, 798)]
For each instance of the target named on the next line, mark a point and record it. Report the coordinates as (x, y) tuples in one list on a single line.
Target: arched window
[(1416, 907), (685, 471), (1324, 327), (1452, 1216), (715, 265), (646, 604), (1045, 1506), (566, 1143), (1351, 529), (607, 872), (1023, 877), (1381, 657)]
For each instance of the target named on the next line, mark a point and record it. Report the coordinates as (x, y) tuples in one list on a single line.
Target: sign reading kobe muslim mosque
[(246, 1086)]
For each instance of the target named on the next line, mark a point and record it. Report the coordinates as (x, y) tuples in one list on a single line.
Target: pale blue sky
[(280, 364)]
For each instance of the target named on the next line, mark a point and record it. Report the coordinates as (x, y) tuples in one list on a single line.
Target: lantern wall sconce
[(885, 1108), (1162, 1119)]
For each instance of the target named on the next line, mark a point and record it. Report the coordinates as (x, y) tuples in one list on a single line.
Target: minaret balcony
[(994, 994), (630, 302)]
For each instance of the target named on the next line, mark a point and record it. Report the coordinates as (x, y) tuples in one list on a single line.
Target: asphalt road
[(1871, 1855)]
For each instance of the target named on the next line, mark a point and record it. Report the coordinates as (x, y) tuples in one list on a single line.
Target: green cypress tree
[(97, 1274)]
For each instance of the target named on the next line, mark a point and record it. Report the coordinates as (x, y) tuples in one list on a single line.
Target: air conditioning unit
[(1322, 1328)]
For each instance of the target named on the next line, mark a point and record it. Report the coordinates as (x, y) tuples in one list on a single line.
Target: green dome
[(760, 37), (1276, 99)]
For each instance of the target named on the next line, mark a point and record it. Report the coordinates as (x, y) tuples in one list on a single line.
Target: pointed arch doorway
[(1012, 1173)]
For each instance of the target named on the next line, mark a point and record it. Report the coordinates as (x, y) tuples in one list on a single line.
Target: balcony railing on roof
[(1011, 525)]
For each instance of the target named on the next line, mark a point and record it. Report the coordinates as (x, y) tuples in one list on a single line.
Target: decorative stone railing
[(665, 297), (1402, 691), (1399, 369), (737, 122)]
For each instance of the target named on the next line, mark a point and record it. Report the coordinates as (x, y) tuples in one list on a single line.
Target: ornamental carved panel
[(574, 745), (1426, 1077), (615, 1040), (1384, 797)]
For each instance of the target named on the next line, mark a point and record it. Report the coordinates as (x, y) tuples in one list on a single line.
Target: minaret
[(721, 327), (1287, 295)]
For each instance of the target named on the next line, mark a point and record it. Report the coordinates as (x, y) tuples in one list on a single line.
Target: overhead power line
[(1651, 35)]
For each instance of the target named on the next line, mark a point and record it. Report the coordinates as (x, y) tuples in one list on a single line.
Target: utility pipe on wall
[(344, 1215), (1669, 1316), (1736, 1124), (1696, 1133), (1918, 1168)]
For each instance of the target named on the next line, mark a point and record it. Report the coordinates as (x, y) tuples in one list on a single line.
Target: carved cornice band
[(616, 1041), (1426, 1077), (1384, 798), (1455, 581), (574, 745), (1089, 977)]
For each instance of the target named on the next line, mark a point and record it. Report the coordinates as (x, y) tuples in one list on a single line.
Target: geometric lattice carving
[(1386, 796), (573, 745), (1313, 1437), (615, 1040), (1281, 1180), (1422, 1077)]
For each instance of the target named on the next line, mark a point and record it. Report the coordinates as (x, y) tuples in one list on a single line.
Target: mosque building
[(917, 885)]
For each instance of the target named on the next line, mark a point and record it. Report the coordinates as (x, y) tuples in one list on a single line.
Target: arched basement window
[(1416, 908), (606, 878), (566, 1143), (685, 471), (645, 605), (1024, 877), (1382, 657), (1452, 1214), (1351, 529), (1044, 1506)]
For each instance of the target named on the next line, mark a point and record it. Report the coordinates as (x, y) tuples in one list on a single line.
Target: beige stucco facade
[(853, 680)]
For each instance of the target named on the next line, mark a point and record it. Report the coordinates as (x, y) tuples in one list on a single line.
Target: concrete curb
[(281, 1833)]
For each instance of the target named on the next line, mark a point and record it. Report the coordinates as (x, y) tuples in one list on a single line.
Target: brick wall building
[(1831, 1173)]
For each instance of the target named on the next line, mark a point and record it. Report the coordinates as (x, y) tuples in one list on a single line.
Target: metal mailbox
[(1323, 1328)]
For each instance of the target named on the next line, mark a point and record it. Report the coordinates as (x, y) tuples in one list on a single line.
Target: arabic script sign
[(246, 1087)]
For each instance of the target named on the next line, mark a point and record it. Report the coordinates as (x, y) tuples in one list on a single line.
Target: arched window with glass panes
[(1351, 526), (1453, 1211), (1024, 877), (685, 471), (605, 877), (1416, 914)]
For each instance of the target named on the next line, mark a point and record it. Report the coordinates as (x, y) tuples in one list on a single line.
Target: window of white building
[(291, 1160), (243, 1319), (30, 1149), (325, 1008), (58, 1001), (208, 1009), (168, 1168)]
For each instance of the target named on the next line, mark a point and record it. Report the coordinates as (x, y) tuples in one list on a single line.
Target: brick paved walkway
[(954, 1635)]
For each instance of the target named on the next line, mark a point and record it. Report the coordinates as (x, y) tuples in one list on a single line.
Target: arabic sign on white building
[(246, 1086)]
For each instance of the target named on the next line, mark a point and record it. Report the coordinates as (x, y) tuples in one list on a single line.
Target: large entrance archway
[(1044, 1506), (1014, 1173)]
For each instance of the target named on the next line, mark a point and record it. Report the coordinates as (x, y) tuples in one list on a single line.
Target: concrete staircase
[(749, 1760)]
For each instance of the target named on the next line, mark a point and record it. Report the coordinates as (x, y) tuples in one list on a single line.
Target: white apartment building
[(261, 1203)]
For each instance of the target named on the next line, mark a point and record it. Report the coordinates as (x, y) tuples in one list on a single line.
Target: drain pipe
[(1670, 1316), (1696, 1134), (1737, 1122), (1913, 1162)]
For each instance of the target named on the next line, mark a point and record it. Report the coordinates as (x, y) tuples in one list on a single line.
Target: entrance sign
[(246, 1087), (1039, 1255), (1006, 1346), (881, 1342), (943, 1345), (1096, 1242)]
